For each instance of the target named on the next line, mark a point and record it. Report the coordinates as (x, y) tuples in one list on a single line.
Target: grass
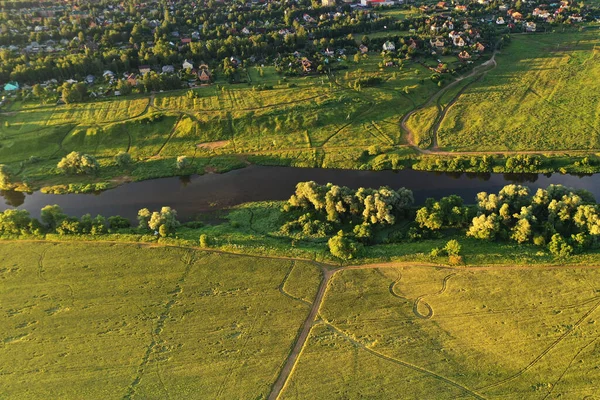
[(294, 121), (114, 321), (541, 96), (498, 333)]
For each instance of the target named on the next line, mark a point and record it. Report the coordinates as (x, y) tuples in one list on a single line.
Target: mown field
[(433, 333), (108, 321), (543, 95)]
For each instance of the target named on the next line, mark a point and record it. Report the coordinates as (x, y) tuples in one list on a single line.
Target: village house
[(144, 69), (479, 47), (168, 69), (500, 21), (306, 65), (389, 46), (438, 43), (363, 49), (461, 8), (530, 26), (11, 87), (459, 41), (187, 65), (204, 73), (517, 16), (463, 55)]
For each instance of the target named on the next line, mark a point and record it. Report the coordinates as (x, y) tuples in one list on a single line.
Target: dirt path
[(437, 95), (290, 363)]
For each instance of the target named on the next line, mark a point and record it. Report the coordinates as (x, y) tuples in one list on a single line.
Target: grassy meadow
[(422, 332), (541, 96), (305, 121), (109, 321)]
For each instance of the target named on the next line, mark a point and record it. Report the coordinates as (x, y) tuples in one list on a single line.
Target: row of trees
[(54, 220)]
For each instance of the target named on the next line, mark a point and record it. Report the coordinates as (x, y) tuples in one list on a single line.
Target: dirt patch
[(213, 145), (209, 169), (119, 180)]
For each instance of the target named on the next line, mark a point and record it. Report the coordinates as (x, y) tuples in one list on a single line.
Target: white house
[(187, 65), (389, 46)]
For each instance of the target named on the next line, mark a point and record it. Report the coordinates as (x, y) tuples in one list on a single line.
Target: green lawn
[(120, 321)]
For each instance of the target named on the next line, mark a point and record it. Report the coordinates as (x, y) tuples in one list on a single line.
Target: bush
[(452, 248), (205, 241), (343, 247), (76, 163), (182, 162), (118, 222), (559, 247), (123, 159)]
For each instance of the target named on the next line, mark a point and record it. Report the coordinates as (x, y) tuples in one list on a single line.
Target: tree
[(14, 222), (182, 162), (118, 222), (164, 221), (37, 90), (559, 247), (342, 247), (76, 163), (452, 248), (52, 216), (6, 178), (485, 227), (144, 218), (123, 159)]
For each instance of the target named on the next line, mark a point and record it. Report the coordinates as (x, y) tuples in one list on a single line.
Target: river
[(199, 194)]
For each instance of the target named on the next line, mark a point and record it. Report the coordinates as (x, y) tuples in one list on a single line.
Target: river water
[(200, 194)]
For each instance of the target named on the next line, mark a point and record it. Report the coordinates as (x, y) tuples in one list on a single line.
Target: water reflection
[(12, 198), (191, 195)]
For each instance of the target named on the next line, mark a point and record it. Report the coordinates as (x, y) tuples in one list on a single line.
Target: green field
[(541, 96), (110, 322), (302, 121), (136, 321), (432, 333)]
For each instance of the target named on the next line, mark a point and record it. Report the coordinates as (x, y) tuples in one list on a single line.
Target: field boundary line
[(546, 351), (281, 286), (422, 370)]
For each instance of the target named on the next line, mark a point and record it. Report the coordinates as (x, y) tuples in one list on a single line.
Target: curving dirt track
[(429, 308)]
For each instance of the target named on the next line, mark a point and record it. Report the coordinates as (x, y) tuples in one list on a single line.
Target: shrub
[(123, 159), (452, 248), (205, 241), (118, 222), (76, 163), (343, 247), (559, 247), (182, 162)]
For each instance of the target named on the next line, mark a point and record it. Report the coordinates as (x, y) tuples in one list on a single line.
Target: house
[(454, 35), (131, 80), (204, 73), (435, 28), (576, 18), (442, 5), (90, 79), (479, 47), (461, 8), (11, 86), (389, 46), (517, 16), (503, 8), (459, 41), (306, 65), (187, 65), (530, 26), (448, 25), (438, 42), (500, 21), (328, 3), (186, 40), (144, 69), (168, 69), (245, 31), (71, 81), (363, 49), (328, 53), (463, 55), (108, 75)]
